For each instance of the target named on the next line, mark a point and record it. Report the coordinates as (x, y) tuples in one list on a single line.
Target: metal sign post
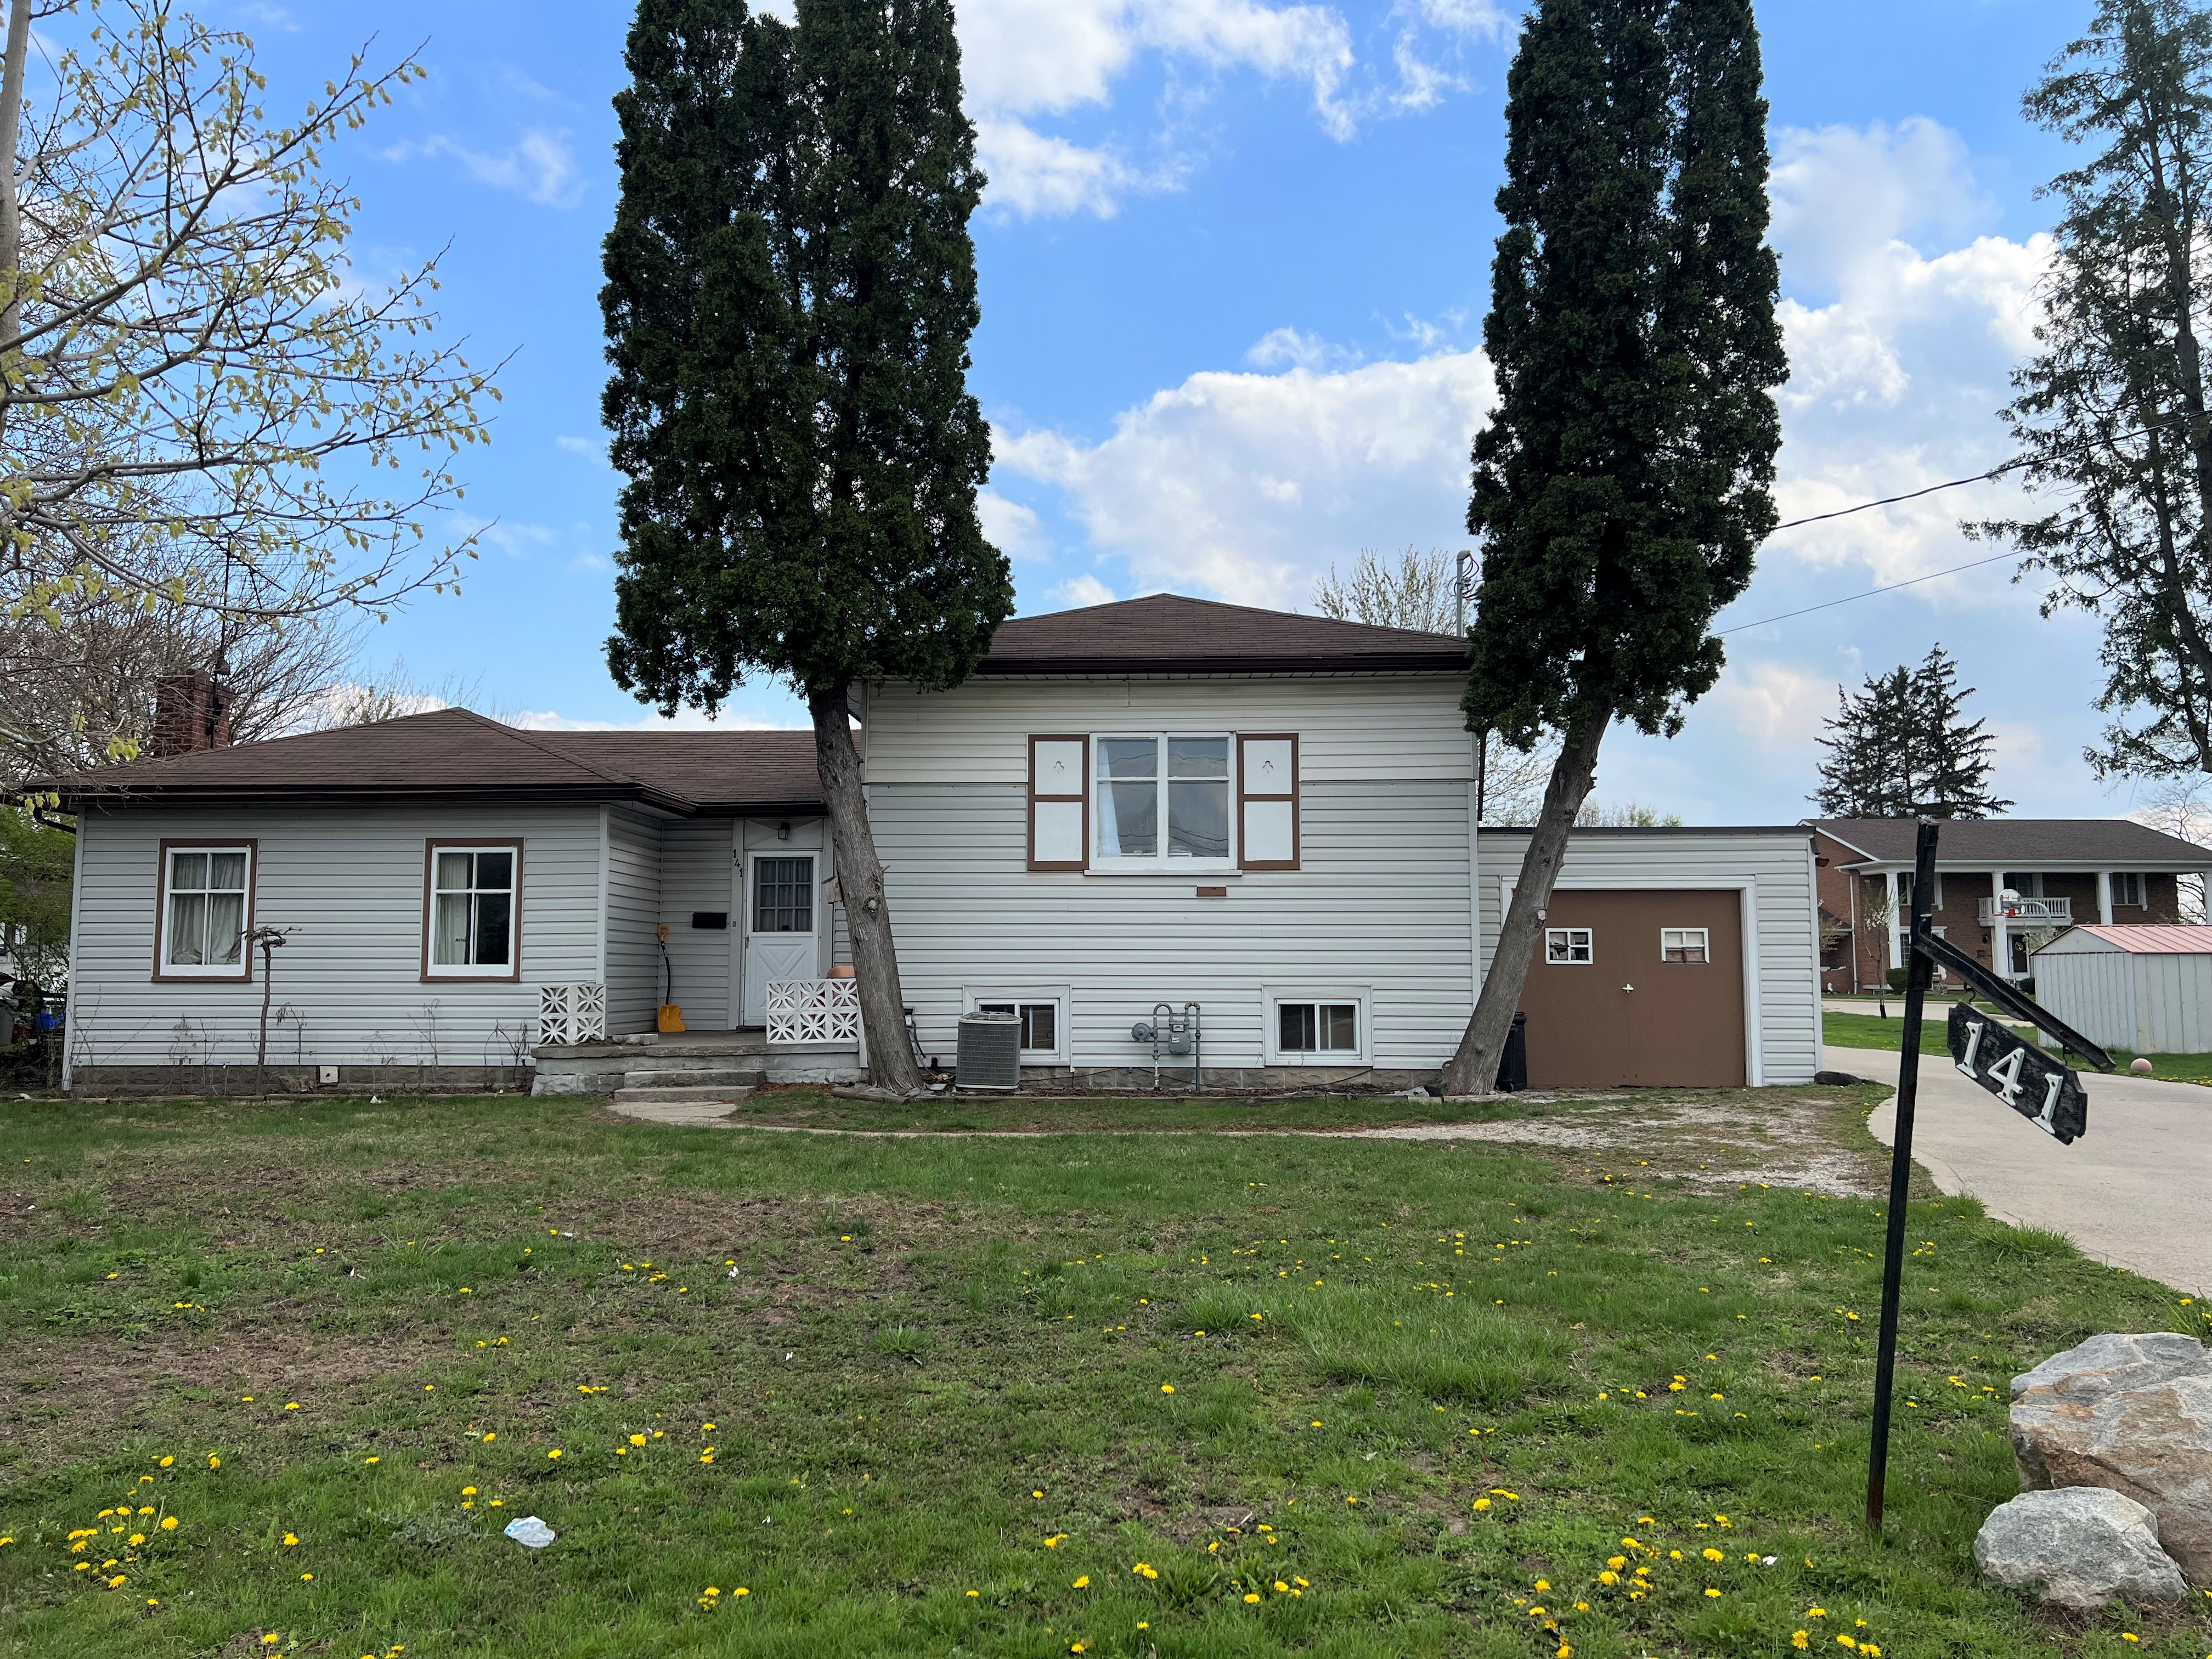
[(2041, 1090)]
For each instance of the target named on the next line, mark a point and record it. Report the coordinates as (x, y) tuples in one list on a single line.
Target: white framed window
[(2127, 888), (1040, 1024), (206, 910), (1326, 1027), (1568, 947), (1162, 802), (471, 894), (1685, 944), (1043, 1011), (1905, 893)]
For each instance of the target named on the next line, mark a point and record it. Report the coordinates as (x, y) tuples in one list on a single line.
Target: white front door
[(782, 914)]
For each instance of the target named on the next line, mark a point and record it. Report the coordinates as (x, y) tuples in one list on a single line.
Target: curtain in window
[(207, 909), (1128, 797)]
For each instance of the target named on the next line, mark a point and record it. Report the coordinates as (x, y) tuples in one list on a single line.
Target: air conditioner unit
[(989, 1054)]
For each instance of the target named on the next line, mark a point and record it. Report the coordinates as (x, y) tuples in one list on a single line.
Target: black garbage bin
[(1513, 1064)]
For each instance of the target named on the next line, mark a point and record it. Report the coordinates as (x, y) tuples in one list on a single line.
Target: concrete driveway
[(2134, 1192)]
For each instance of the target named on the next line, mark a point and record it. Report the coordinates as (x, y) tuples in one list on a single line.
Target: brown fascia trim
[(1395, 662), (248, 794), (301, 795)]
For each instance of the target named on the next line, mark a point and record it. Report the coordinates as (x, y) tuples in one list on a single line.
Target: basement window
[(1040, 1025)]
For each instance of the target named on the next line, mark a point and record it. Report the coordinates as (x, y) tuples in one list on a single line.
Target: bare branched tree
[(2180, 803), (1414, 589), (200, 399)]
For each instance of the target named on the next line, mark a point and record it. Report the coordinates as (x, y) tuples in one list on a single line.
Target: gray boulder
[(2083, 1545), (2132, 1414)]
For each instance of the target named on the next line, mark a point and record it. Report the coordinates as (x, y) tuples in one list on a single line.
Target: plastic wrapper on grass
[(1441, 1347)]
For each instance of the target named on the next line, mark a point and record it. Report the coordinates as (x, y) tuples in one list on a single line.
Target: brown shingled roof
[(2021, 844), (454, 754), (1167, 633)]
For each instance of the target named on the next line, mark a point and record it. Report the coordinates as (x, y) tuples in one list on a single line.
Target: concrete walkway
[(2134, 1192)]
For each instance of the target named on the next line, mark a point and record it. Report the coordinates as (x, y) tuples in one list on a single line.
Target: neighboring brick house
[(2059, 871)]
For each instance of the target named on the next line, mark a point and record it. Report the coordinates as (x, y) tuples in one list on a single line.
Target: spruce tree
[(2113, 413), (1621, 486), (1903, 748), (790, 292)]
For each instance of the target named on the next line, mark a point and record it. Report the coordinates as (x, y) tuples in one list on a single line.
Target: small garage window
[(1685, 944), (1568, 947)]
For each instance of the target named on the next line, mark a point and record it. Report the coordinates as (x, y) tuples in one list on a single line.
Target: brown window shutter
[(1268, 835), (1060, 802)]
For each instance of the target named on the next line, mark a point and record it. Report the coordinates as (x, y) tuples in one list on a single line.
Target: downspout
[(70, 1000)]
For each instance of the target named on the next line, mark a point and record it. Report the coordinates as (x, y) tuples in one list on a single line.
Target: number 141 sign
[(2042, 1090)]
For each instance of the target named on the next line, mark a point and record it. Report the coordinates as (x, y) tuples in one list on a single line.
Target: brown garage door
[(1682, 1023)]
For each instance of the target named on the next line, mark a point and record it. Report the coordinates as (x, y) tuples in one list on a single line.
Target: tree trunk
[(1473, 1068), (11, 206), (860, 880)]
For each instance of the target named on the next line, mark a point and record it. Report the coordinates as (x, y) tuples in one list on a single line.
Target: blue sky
[(1234, 262)]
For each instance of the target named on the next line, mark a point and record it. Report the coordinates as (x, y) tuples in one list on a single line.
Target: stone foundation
[(238, 1082)]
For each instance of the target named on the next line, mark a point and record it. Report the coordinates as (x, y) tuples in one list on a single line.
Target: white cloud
[(1013, 528), (1083, 589), (686, 719), (1036, 175), (1773, 703), (538, 166), (1900, 357), (1248, 486), (589, 449), (515, 537), (1024, 59), (1279, 346)]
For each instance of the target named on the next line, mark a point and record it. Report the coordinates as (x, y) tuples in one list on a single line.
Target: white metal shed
[(2146, 989)]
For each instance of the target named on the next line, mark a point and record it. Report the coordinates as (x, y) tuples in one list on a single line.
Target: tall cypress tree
[(790, 292), (1621, 486)]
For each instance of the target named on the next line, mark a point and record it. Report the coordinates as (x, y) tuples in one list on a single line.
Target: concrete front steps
[(687, 1067), (663, 1093)]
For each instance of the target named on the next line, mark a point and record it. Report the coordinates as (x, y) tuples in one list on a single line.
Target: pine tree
[(1621, 484), (2114, 414), (1902, 748), (790, 293)]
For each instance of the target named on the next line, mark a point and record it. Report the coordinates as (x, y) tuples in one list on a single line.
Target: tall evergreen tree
[(790, 292), (2114, 414), (1621, 486), (1903, 748)]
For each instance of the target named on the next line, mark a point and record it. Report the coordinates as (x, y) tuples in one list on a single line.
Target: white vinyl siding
[(1381, 729), (1781, 941), (633, 952), (696, 873), (347, 986)]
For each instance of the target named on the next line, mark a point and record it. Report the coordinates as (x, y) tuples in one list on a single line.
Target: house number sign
[(2045, 1092)]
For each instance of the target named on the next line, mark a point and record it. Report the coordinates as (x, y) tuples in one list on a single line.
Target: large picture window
[(207, 910), (1162, 800), (473, 889)]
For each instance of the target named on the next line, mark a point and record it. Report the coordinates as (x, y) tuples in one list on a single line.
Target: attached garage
[(1669, 958)]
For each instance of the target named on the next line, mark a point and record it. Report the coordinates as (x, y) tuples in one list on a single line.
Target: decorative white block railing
[(814, 1011), (571, 1013), (2028, 912)]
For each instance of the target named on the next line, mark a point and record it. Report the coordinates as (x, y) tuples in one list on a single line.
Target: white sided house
[(1252, 831)]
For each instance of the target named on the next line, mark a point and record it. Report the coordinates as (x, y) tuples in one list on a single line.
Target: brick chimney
[(190, 712)]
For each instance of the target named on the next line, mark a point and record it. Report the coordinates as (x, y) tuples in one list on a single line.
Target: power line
[(1829, 604)]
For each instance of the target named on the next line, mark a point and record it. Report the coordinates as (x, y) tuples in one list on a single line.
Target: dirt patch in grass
[(1809, 1141), (65, 1396)]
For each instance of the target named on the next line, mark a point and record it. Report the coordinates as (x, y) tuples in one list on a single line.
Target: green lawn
[(1872, 1031), (1137, 1394)]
